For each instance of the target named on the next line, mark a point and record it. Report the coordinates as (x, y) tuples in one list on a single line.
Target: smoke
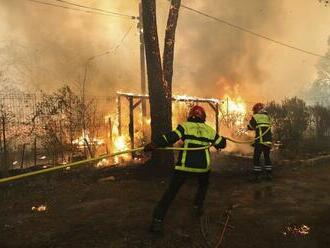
[(220, 58), (45, 47)]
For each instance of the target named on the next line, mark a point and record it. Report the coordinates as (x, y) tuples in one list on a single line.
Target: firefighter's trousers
[(258, 150), (177, 180)]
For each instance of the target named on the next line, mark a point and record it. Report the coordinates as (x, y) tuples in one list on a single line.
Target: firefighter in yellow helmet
[(194, 133), (261, 124)]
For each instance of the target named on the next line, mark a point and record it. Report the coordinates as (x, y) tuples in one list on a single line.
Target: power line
[(98, 9), (252, 32), (115, 48), (70, 8), (122, 39)]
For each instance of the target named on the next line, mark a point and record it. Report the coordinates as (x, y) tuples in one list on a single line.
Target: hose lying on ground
[(82, 162)]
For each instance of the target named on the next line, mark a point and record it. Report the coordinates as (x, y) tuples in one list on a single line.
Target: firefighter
[(261, 124), (191, 164)]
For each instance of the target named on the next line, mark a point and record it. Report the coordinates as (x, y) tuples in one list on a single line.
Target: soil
[(111, 207)]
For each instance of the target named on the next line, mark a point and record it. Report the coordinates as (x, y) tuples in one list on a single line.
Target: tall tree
[(320, 89), (160, 78)]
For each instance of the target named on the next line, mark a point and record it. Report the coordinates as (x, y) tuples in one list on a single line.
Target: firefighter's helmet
[(197, 112), (257, 107)]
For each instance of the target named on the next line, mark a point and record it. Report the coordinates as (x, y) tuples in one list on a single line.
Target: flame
[(120, 143), (40, 208), (235, 105), (81, 141), (234, 109)]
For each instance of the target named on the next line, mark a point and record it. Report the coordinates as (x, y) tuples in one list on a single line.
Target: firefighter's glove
[(149, 147), (223, 143)]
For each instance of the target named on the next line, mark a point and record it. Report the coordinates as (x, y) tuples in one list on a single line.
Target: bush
[(290, 120), (321, 120)]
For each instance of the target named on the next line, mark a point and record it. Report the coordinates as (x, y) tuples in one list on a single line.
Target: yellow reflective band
[(197, 142), (261, 118), (188, 169), (184, 154), (260, 135), (178, 133), (263, 125), (207, 153), (266, 143), (198, 130), (218, 140), (164, 136)]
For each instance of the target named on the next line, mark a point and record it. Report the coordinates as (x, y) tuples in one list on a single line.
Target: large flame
[(234, 110), (120, 143)]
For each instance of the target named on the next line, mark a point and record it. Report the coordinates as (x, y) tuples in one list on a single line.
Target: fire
[(295, 230), (40, 208), (81, 141), (235, 105), (120, 143), (235, 110)]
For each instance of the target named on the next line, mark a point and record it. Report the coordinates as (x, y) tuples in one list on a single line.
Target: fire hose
[(248, 141), (82, 162), (204, 228)]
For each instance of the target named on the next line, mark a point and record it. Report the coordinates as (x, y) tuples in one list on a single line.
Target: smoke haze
[(43, 47)]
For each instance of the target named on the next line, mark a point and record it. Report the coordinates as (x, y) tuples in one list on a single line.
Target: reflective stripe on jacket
[(261, 123), (193, 134)]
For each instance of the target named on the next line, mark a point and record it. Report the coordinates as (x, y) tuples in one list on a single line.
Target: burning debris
[(106, 179), (41, 208), (84, 138), (295, 230), (103, 163)]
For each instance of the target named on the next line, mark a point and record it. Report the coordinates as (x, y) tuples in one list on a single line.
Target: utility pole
[(142, 70)]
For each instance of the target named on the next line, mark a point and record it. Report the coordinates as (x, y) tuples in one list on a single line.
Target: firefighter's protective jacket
[(261, 123), (193, 134)]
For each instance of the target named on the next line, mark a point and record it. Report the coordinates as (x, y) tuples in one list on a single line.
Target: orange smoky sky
[(44, 47)]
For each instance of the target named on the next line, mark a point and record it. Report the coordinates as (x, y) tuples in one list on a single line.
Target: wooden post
[(142, 69), (131, 121), (22, 158), (119, 114), (88, 148), (35, 151), (110, 131), (217, 117)]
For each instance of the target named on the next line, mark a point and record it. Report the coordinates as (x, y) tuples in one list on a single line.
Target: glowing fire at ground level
[(232, 114)]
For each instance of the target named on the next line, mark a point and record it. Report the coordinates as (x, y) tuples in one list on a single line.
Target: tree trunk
[(159, 98), (168, 56)]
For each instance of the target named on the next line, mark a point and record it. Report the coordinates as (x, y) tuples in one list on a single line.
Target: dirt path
[(84, 211)]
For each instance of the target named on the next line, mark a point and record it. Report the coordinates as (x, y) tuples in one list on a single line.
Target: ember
[(40, 208), (302, 230)]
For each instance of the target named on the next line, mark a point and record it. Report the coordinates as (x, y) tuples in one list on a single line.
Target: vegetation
[(293, 122), (49, 130)]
